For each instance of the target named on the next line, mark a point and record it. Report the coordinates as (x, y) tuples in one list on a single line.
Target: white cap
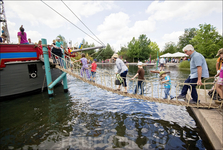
[(139, 64)]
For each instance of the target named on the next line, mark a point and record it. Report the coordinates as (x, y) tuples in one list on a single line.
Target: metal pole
[(47, 66), (157, 61), (65, 76)]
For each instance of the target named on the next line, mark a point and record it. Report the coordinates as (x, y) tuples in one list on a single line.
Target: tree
[(105, 53), (185, 38), (154, 49), (86, 45), (138, 49), (123, 53), (63, 40), (170, 47), (207, 40)]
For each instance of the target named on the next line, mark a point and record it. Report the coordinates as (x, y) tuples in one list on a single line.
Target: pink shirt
[(23, 37)]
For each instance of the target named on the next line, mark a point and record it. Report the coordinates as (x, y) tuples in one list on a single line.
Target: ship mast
[(3, 22)]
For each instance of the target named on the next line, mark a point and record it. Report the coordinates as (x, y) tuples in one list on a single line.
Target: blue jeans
[(140, 85), (167, 92), (123, 75), (186, 87)]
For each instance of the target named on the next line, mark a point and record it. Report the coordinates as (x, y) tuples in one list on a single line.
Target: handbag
[(119, 80)]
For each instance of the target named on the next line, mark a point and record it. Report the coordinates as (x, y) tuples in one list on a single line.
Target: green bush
[(210, 62), (184, 64), (212, 66)]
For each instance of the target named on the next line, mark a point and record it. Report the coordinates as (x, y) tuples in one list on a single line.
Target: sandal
[(219, 101)]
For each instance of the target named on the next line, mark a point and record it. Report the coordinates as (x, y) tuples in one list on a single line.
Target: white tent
[(179, 54), (166, 55)]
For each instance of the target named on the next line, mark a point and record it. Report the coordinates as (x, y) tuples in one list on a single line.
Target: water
[(89, 117)]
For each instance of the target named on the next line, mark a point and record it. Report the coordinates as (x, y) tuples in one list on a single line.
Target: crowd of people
[(198, 68)]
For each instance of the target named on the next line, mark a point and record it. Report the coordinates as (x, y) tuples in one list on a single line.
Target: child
[(140, 83), (93, 70), (167, 84), (219, 84), (84, 66)]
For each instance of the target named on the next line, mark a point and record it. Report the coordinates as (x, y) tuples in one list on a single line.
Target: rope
[(107, 84)]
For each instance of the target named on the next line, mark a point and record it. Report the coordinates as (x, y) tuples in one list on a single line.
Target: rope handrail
[(105, 80)]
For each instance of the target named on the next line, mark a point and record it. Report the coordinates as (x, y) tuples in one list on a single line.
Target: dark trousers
[(186, 87), (140, 85), (123, 75)]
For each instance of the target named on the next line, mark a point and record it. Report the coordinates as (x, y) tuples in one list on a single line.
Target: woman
[(22, 36), (122, 70)]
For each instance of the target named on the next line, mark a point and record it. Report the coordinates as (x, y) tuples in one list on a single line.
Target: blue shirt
[(168, 83), (198, 60), (58, 44)]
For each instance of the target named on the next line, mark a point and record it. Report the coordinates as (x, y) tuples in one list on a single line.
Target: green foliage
[(139, 49), (184, 64), (207, 41), (185, 38), (211, 63), (63, 40), (154, 49), (86, 45), (212, 66), (105, 53), (170, 47), (123, 53)]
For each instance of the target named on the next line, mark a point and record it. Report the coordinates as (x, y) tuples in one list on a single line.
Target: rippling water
[(89, 117)]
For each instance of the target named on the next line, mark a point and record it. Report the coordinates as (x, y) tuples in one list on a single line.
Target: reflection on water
[(89, 117)]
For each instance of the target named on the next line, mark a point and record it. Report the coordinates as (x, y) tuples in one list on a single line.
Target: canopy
[(166, 55), (179, 54)]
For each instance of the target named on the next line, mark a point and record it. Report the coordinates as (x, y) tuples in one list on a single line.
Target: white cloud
[(30, 11), (174, 36), (116, 27), (187, 10)]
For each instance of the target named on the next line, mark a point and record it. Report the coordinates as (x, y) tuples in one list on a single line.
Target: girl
[(84, 67)]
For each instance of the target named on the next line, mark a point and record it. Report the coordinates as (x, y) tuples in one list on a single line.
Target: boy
[(140, 83), (93, 70), (167, 84)]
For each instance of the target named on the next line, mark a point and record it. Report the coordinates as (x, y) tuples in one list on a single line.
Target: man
[(30, 42), (198, 70), (162, 62), (122, 70)]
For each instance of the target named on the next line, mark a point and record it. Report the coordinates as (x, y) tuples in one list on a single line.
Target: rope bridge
[(106, 80)]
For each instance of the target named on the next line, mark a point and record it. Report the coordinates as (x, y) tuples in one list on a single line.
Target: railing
[(153, 88)]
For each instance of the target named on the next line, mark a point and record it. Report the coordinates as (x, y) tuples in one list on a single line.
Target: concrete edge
[(215, 141)]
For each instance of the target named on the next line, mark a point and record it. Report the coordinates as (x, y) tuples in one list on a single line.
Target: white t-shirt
[(162, 60)]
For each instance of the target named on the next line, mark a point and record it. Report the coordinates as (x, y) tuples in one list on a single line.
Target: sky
[(113, 22)]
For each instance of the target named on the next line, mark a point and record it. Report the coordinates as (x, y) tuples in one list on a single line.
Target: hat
[(95, 59), (220, 51), (139, 64), (58, 38), (115, 56), (162, 72)]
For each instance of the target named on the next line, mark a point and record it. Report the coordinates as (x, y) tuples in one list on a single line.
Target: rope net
[(153, 89)]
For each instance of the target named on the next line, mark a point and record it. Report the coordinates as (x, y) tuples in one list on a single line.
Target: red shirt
[(94, 66)]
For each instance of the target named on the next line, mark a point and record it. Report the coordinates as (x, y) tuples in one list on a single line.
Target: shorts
[(161, 65), (220, 81), (93, 74)]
